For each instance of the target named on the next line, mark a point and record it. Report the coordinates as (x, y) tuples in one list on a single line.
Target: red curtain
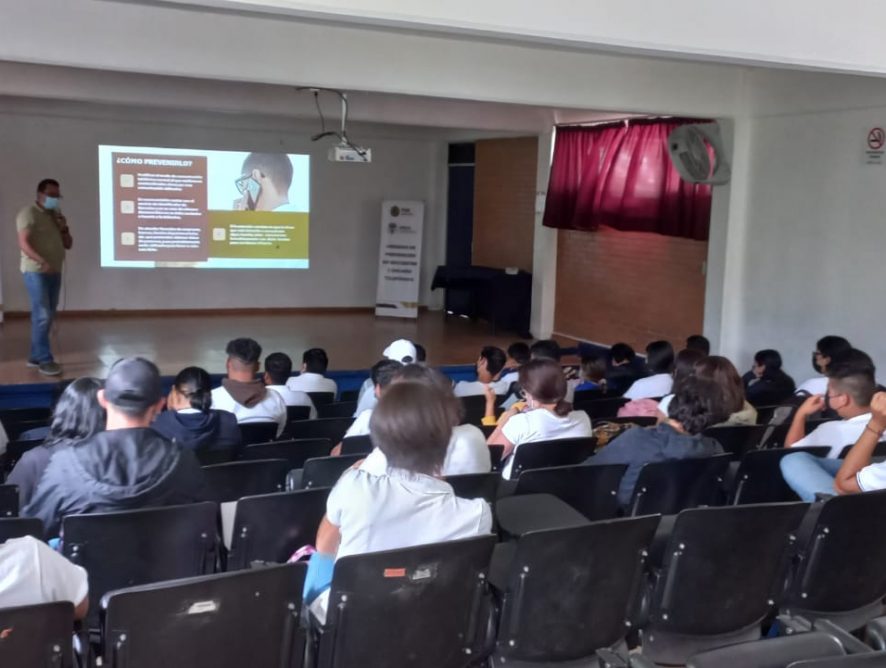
[(620, 175)]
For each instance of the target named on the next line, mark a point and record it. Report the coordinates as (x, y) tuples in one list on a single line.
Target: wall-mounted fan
[(690, 147)]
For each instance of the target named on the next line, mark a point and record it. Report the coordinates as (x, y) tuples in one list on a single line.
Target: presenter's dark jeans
[(43, 290)]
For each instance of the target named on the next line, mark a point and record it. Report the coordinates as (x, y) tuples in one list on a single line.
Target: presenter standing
[(43, 237)]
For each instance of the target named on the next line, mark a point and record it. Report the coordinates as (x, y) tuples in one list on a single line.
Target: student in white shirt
[(489, 367), (4, 439), (402, 351), (518, 355), (827, 349), (660, 362), (548, 349), (242, 394), (315, 362), (278, 368), (31, 573), (546, 415), (381, 375)]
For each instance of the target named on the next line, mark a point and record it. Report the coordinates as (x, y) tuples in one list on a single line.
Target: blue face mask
[(50, 203)]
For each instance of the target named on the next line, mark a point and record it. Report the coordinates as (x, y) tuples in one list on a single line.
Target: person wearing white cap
[(401, 350)]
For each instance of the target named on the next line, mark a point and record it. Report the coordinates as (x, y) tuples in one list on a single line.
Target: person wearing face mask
[(265, 182), (43, 238)]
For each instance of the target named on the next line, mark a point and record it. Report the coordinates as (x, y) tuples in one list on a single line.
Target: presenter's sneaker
[(50, 369), (33, 364)]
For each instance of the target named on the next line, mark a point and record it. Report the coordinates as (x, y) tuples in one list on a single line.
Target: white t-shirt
[(836, 433), (4, 439), (472, 388), (817, 385), (366, 400), (360, 425), (510, 377), (270, 409), (872, 477), (311, 382), (650, 387), (543, 425), (294, 398), (31, 572)]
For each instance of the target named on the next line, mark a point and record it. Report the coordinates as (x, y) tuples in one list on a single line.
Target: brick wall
[(629, 286), (504, 202)]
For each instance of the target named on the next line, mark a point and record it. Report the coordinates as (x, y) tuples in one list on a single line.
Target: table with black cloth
[(504, 300)]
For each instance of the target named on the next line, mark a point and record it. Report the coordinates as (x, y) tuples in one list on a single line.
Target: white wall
[(41, 140)]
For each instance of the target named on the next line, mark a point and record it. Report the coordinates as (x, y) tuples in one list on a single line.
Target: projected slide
[(164, 207)]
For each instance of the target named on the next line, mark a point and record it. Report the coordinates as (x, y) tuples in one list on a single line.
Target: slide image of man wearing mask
[(264, 183)]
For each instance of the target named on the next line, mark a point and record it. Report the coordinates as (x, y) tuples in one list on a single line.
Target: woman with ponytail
[(545, 415), (190, 419)]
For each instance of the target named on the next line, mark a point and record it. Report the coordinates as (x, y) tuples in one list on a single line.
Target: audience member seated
[(189, 418), (660, 363), (77, 417), (518, 355), (827, 349), (593, 374), (489, 367), (695, 407), (126, 467), (766, 384), (402, 351), (546, 414), (545, 349), (242, 394), (314, 364), (624, 369), (699, 343), (725, 376), (395, 498), (32, 573), (4, 439), (278, 368), (381, 375), (684, 367), (849, 391)]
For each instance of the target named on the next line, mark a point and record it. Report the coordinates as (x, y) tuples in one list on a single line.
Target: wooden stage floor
[(87, 346)]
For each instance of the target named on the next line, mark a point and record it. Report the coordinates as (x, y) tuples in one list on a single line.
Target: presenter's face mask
[(250, 189), (50, 203)]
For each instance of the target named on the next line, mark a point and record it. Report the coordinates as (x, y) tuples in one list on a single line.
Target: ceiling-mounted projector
[(345, 150), (349, 153)]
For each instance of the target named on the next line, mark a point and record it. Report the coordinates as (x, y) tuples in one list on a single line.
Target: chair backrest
[(248, 618), (418, 606), (16, 527), (16, 421), (591, 490), (37, 636), (332, 428), (296, 413), (474, 408), (258, 432), (123, 549), (598, 409), (496, 453), (356, 445), (721, 570), (588, 395), (270, 527), (15, 450), (879, 450), (871, 660), (325, 471), (217, 456), (337, 409), (839, 574), (639, 420), (475, 485), (543, 454), (321, 398), (759, 478), (349, 395), (737, 439), (671, 486), (296, 453), (8, 500), (234, 480), (770, 653), (549, 617)]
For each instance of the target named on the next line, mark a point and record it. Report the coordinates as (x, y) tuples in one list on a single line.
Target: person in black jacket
[(128, 466), (624, 369), (189, 418), (766, 384)]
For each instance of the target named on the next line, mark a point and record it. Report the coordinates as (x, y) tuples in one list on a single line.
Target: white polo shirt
[(817, 385), (360, 425), (366, 400), (312, 382), (872, 477), (31, 572), (650, 387), (270, 409), (294, 398), (837, 434), (473, 388), (543, 425), (377, 507)]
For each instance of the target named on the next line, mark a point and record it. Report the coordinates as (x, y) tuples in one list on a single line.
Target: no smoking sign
[(874, 148)]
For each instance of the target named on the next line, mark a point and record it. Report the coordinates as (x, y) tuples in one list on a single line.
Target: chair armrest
[(850, 643)]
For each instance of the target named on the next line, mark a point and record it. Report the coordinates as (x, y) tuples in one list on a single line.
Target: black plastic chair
[(8, 500), (496, 453), (544, 454), (234, 480), (639, 420), (722, 567), (474, 408), (332, 428), (356, 445), (296, 453), (770, 653), (16, 527), (873, 660), (296, 413), (759, 478), (591, 490), (349, 395), (737, 439), (258, 432), (551, 618), (14, 452), (838, 575), (231, 620), (16, 421), (37, 636), (385, 608), (671, 486), (123, 549), (325, 471), (338, 409), (879, 450), (321, 398), (271, 527), (599, 409), (475, 485), (588, 395), (211, 457)]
